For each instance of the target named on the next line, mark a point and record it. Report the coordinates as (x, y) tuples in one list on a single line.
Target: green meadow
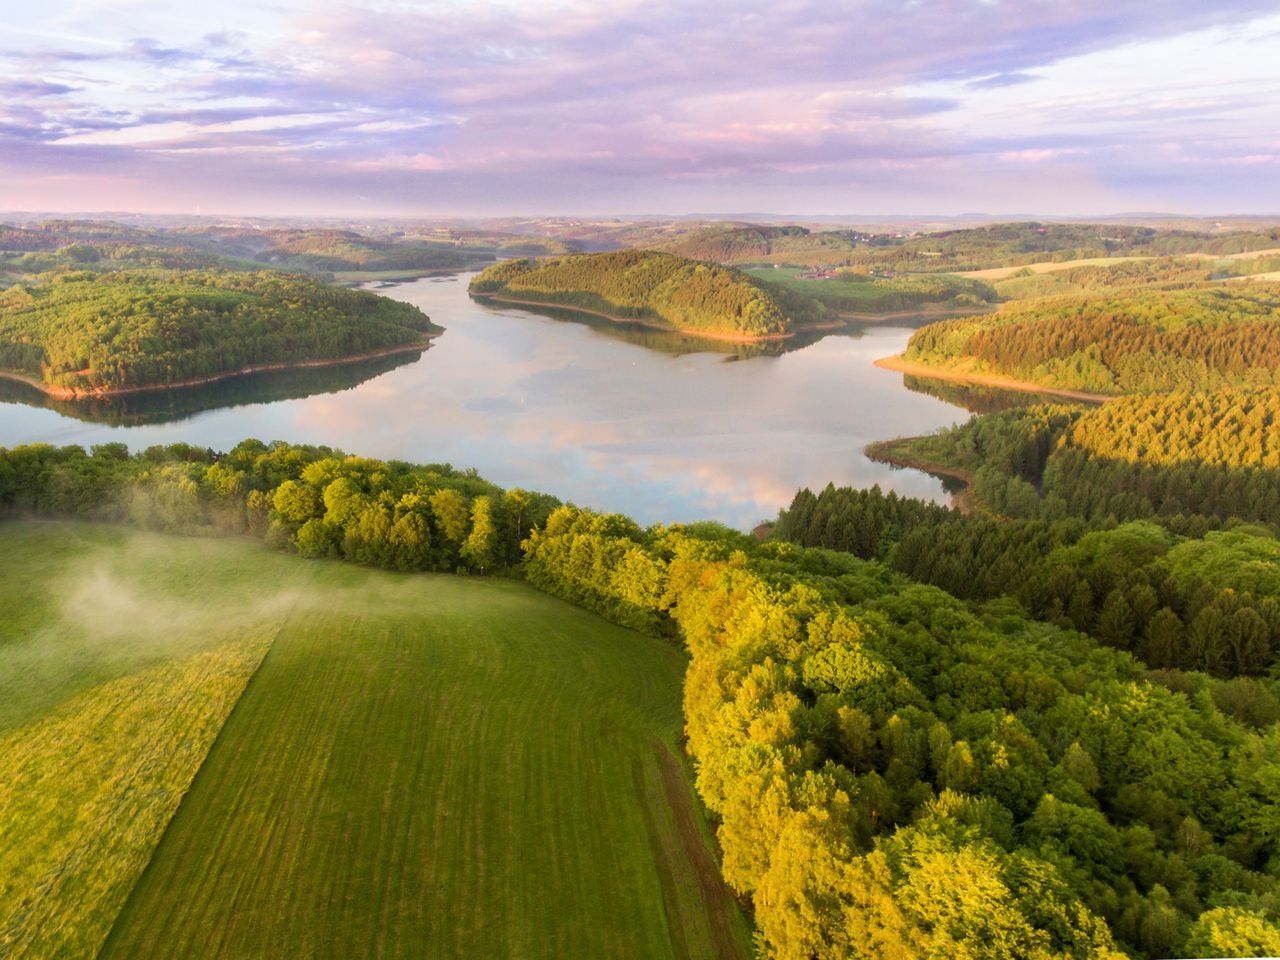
[(419, 766)]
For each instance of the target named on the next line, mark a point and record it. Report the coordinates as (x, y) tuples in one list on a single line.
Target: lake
[(613, 417)]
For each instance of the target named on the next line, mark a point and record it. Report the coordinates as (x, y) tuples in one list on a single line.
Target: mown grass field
[(115, 678), (423, 766)]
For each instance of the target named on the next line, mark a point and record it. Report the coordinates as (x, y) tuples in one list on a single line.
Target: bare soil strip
[(941, 373), (665, 327)]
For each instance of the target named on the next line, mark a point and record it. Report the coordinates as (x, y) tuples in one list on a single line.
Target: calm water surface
[(596, 416)]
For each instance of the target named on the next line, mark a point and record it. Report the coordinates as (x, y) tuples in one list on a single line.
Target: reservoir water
[(611, 417)]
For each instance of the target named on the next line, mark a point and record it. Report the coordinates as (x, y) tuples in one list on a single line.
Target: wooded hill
[(1205, 337), (308, 250), (346, 250), (86, 331), (655, 287), (1012, 244), (763, 244)]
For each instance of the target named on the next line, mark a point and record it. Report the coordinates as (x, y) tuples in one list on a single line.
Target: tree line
[(315, 501), (1013, 244), (897, 774)]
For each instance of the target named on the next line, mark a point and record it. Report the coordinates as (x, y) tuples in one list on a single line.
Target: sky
[(546, 107)]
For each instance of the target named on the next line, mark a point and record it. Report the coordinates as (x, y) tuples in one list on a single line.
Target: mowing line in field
[(433, 766)]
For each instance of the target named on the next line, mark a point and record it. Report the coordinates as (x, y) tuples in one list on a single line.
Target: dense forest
[(1149, 523), (89, 331), (893, 771), (897, 774), (655, 287), (1149, 340)]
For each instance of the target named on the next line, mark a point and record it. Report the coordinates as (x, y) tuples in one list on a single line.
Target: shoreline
[(839, 322), (882, 452), (931, 315), (898, 365), (72, 393), (665, 328)]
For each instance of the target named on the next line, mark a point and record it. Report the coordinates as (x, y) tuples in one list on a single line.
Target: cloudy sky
[(543, 106)]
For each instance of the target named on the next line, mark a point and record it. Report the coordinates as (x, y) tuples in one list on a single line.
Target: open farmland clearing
[(433, 766)]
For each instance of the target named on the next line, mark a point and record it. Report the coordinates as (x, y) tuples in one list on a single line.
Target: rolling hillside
[(423, 766), (654, 288)]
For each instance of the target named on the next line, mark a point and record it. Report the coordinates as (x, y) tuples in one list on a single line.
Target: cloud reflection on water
[(559, 406)]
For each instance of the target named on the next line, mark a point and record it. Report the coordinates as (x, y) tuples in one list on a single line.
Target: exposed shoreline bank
[(664, 327), (897, 364), (883, 451)]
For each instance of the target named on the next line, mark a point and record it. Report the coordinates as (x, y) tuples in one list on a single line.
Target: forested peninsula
[(87, 333), (655, 288), (1207, 337)]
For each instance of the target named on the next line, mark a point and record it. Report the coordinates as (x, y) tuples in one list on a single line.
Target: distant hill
[(1016, 244), (346, 250), (656, 288), (979, 248), (761, 244), (308, 250)]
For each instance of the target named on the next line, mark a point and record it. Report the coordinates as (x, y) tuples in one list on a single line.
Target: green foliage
[(1203, 338), (1226, 428), (865, 523), (480, 549), (314, 500), (893, 773), (656, 287), (90, 331), (1233, 932), (1203, 600), (764, 244), (996, 245)]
